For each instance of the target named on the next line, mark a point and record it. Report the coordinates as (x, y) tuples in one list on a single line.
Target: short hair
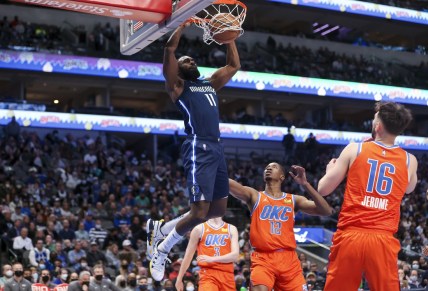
[(84, 273), (394, 116)]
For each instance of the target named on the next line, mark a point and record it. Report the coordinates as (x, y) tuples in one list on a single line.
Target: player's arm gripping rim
[(173, 83), (316, 207), (224, 74), (188, 256), (227, 258)]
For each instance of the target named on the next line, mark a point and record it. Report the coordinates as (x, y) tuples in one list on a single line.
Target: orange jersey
[(272, 223), (376, 183), (215, 242)]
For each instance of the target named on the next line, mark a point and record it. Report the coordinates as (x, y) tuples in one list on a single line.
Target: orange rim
[(231, 2)]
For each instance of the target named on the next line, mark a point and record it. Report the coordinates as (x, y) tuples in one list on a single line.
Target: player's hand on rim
[(298, 173), (204, 258)]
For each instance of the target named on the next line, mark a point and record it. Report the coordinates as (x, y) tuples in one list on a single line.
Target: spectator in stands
[(143, 283), (98, 233), (131, 282), (40, 256), (122, 218), (82, 284), (22, 243), (67, 232), (45, 278), (95, 256), (414, 279), (76, 254), (63, 277), (74, 277), (112, 256), (12, 129), (17, 282), (81, 233), (89, 222), (100, 283), (128, 253), (7, 274), (289, 144), (6, 222), (15, 230)]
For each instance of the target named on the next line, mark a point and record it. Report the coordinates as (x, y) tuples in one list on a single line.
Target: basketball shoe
[(154, 236)]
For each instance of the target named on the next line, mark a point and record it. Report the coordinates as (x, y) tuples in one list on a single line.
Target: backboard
[(136, 35)]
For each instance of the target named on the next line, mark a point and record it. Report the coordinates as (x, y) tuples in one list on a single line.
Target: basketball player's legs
[(381, 262), (289, 277), (262, 274), (221, 189), (345, 266), (200, 162)]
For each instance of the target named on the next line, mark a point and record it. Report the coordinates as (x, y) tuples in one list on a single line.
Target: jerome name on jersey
[(374, 202)]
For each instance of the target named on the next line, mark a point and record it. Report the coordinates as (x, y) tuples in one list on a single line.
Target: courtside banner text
[(170, 127), (49, 63)]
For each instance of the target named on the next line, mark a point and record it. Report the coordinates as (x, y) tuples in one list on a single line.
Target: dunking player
[(274, 262), (204, 162), (379, 173), (217, 245)]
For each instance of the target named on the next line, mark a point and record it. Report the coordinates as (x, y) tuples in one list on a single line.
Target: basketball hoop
[(221, 17)]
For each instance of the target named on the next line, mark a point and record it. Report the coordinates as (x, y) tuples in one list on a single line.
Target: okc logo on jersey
[(270, 212), (216, 240)]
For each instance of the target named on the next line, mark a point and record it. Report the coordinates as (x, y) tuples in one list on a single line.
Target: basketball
[(219, 27)]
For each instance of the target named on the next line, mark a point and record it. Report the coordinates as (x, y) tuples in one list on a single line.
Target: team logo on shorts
[(195, 189)]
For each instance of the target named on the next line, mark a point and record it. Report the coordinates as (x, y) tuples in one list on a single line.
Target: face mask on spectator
[(415, 266), (45, 279), (143, 287), (35, 277), (84, 265), (98, 277), (64, 277), (413, 278), (190, 288), (85, 283), (194, 262), (19, 273), (122, 284), (29, 278), (169, 288), (132, 282), (98, 226), (9, 274), (42, 266)]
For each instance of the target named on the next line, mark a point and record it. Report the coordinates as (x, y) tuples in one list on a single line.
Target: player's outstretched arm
[(336, 170), (227, 258), (316, 207), (413, 176), (188, 256), (243, 193), (173, 83), (224, 74)]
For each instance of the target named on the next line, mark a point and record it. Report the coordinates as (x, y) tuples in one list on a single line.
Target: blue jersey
[(199, 105)]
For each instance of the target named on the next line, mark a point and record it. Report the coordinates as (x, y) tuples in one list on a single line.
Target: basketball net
[(227, 7)]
